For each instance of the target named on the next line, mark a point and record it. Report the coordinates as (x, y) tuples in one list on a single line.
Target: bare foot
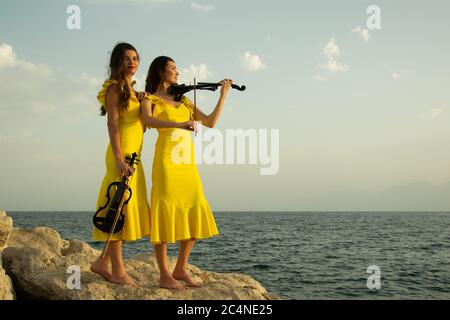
[(184, 275), (167, 282), (101, 268), (123, 279)]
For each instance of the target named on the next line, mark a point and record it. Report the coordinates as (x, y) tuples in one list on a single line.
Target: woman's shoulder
[(156, 101), (153, 98), (110, 83)]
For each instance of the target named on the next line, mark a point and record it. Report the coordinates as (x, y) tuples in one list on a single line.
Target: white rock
[(38, 261), (6, 288), (5, 228)]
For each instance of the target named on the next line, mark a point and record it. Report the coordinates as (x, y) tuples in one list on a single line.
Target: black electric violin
[(178, 90), (110, 218)]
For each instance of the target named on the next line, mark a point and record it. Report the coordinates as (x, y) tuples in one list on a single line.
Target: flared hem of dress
[(171, 223), (175, 241)]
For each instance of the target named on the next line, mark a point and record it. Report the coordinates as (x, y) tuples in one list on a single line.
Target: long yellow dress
[(137, 212), (179, 209)]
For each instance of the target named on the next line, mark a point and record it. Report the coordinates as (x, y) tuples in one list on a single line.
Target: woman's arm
[(113, 112), (151, 122), (211, 119)]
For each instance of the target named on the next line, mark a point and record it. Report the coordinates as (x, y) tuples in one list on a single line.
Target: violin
[(178, 90), (110, 218)]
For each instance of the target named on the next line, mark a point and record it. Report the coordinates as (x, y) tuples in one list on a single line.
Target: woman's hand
[(141, 95), (124, 168), (188, 125), (226, 85)]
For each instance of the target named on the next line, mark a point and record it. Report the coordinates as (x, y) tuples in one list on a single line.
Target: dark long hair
[(154, 73), (116, 71)]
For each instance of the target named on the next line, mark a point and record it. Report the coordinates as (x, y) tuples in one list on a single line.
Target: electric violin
[(110, 218), (178, 90)]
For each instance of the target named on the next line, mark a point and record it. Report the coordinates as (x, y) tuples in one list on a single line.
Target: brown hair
[(154, 73), (116, 72)]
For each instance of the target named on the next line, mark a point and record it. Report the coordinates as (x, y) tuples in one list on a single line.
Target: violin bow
[(108, 240), (195, 106)]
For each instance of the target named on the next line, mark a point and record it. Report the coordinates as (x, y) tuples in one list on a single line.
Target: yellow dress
[(179, 209), (137, 212)]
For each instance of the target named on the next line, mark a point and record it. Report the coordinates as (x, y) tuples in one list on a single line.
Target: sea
[(308, 255)]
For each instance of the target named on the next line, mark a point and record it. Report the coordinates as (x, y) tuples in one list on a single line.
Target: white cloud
[(395, 76), (7, 56), (401, 74), (201, 7), (8, 59), (43, 91), (252, 62), (435, 112), (201, 73), (362, 33), (331, 49), (332, 52), (432, 113)]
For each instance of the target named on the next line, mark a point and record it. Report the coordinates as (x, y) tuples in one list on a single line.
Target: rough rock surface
[(6, 287), (39, 263)]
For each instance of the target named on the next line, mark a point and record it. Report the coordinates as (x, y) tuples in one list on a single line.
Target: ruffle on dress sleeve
[(101, 96)]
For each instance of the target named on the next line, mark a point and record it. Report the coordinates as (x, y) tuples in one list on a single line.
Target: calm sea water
[(309, 255)]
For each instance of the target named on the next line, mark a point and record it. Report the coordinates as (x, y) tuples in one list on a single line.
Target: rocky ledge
[(41, 265)]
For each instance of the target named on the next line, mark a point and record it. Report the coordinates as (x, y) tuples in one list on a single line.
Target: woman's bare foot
[(182, 274), (123, 279), (168, 282), (100, 267)]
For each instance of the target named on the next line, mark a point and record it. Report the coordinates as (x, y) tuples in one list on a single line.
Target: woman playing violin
[(179, 209)]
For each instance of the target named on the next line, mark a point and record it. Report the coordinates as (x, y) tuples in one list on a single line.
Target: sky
[(362, 113)]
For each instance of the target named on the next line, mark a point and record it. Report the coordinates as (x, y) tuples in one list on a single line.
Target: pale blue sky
[(374, 136)]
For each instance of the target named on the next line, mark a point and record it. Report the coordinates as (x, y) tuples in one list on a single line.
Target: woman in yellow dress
[(179, 209), (120, 103)]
